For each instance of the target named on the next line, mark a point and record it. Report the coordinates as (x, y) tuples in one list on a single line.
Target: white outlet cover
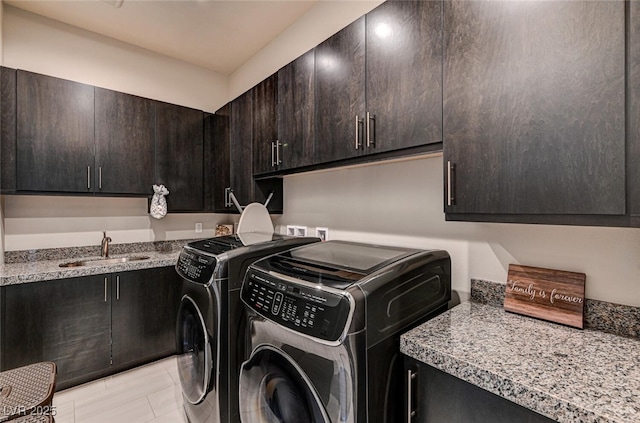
[(291, 230), (322, 233), (301, 231), (198, 228)]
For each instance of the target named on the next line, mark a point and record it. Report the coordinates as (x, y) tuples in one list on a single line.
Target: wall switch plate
[(322, 233), (198, 228), (301, 231), (291, 230)]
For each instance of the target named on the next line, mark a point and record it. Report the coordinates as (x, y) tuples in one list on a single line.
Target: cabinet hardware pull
[(358, 121), (410, 411), (118, 288), (105, 289), (451, 181), (227, 197), (278, 145), (100, 178), (88, 177), (273, 155), (371, 118)]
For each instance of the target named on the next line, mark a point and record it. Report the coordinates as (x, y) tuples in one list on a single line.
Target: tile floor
[(147, 394)]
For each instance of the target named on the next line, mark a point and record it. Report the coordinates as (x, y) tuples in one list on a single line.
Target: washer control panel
[(300, 307), (195, 267)]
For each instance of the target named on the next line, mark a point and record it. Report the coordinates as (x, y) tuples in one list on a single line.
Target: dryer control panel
[(195, 267), (300, 306)]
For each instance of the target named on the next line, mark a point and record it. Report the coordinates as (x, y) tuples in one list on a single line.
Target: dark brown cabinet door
[(404, 75), (534, 107), (296, 113), (265, 130), (125, 137), (340, 94), (7, 130), (240, 148), (216, 160), (179, 156), (436, 396), (144, 312), (634, 108), (67, 321), (55, 132)]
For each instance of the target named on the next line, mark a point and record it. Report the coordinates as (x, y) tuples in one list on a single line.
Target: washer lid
[(334, 263), (221, 244)]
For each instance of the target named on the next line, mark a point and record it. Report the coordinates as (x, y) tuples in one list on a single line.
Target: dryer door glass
[(274, 389), (194, 351)]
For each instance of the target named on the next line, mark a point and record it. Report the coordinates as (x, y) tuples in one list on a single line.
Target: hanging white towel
[(158, 207)]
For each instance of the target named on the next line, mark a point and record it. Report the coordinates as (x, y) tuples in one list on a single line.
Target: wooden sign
[(554, 295)]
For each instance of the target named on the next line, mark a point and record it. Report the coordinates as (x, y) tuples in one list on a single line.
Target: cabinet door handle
[(371, 119), (358, 122), (411, 375), (88, 177), (100, 178), (227, 197), (106, 287), (118, 288), (273, 154), (278, 145), (451, 182)]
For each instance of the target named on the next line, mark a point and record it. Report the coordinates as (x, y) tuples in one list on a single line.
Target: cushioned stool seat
[(27, 392)]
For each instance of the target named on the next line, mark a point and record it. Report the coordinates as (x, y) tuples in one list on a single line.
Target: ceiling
[(219, 35)]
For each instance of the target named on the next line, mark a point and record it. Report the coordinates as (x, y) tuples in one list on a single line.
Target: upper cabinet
[(7, 130), (240, 148), (55, 132), (124, 139), (404, 75), (216, 160), (74, 138), (534, 109), (633, 127), (266, 145), (180, 156), (340, 94), (296, 113), (379, 82)]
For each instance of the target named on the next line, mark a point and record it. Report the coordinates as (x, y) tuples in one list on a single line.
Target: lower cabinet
[(434, 396), (90, 326)]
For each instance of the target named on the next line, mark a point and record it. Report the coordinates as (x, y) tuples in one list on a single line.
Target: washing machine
[(210, 317), (323, 330)]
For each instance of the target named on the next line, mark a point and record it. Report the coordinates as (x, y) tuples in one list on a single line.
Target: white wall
[(42, 45), (319, 23), (402, 204)]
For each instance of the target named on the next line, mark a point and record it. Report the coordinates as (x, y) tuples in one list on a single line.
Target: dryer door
[(194, 351), (274, 389)]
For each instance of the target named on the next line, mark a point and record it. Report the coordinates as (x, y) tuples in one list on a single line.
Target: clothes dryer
[(209, 326), (323, 330)]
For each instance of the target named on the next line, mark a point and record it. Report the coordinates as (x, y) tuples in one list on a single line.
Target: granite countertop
[(566, 374), (42, 270)]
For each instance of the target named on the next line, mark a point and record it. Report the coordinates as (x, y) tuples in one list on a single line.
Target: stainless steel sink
[(103, 262)]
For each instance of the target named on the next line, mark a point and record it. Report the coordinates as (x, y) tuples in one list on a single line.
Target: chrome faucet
[(104, 247)]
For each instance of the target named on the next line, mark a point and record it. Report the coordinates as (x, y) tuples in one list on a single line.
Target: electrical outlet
[(322, 233), (291, 230), (301, 231), (198, 228)]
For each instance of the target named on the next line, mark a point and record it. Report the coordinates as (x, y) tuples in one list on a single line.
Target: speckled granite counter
[(35, 268), (565, 374)]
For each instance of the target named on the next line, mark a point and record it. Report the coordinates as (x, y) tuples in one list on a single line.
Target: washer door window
[(194, 351), (274, 389)]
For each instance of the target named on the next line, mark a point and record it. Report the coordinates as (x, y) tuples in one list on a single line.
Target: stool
[(27, 392), (34, 418)]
